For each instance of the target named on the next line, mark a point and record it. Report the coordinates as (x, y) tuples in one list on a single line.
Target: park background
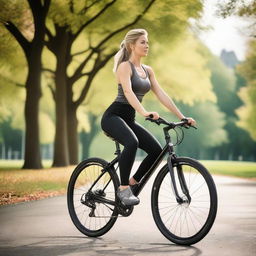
[(56, 80)]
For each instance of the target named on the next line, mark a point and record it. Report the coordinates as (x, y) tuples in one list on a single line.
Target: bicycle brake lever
[(187, 126)]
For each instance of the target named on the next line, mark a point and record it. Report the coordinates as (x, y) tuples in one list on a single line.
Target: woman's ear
[(131, 46)]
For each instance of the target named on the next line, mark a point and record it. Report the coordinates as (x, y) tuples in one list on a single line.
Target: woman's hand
[(191, 121), (154, 114)]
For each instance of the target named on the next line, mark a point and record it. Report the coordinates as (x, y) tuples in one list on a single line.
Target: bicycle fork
[(182, 182)]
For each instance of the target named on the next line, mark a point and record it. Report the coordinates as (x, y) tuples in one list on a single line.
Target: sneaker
[(127, 197), (134, 187)]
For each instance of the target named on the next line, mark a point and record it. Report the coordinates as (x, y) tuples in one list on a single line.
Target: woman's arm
[(124, 78), (164, 98)]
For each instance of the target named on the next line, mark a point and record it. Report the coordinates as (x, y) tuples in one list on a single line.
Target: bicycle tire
[(204, 214), (79, 181)]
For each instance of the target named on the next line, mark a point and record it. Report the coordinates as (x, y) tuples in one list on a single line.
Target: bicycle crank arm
[(174, 186)]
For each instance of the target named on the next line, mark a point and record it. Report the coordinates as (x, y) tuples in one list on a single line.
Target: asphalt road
[(43, 228)]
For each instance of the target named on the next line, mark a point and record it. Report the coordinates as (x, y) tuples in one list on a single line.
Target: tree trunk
[(33, 51), (61, 154), (72, 126), (87, 137), (32, 158)]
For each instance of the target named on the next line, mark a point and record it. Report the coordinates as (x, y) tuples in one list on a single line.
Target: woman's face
[(141, 46)]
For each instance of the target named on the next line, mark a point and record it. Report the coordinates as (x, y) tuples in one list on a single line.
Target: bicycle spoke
[(91, 182), (185, 219)]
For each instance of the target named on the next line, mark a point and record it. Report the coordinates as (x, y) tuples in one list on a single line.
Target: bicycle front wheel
[(89, 191), (188, 222)]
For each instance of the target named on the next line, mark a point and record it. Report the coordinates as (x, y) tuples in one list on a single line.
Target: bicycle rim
[(82, 188), (185, 223)]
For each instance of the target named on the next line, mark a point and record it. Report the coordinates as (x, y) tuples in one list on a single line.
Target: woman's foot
[(127, 197)]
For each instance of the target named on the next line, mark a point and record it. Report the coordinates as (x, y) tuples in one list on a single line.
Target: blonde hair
[(124, 53)]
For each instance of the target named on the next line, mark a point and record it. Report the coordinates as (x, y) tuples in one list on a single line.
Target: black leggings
[(119, 122)]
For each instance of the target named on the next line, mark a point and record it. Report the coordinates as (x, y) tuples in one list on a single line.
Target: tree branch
[(46, 7), (71, 6), (93, 18), (36, 8), (48, 33), (96, 67), (81, 52), (127, 25), (23, 42), (4, 21), (84, 10), (13, 82), (48, 70), (77, 73), (39, 12)]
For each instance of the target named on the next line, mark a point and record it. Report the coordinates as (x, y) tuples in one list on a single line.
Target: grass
[(17, 164), (232, 168), (17, 185)]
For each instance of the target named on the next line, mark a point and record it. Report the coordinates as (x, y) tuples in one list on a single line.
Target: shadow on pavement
[(76, 246)]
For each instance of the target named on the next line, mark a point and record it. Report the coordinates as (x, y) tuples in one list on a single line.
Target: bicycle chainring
[(124, 210)]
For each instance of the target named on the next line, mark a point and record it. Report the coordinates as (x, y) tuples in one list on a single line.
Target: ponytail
[(121, 56)]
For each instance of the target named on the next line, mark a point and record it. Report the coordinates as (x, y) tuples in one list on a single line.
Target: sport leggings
[(119, 122)]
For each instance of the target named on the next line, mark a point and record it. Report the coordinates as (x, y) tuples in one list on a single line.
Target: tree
[(240, 8), (246, 112), (182, 69), (98, 24), (32, 48), (247, 69)]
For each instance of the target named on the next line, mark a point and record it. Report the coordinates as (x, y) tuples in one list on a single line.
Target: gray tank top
[(140, 85)]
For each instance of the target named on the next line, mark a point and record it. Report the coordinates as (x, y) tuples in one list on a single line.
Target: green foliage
[(171, 17), (183, 67), (210, 132), (10, 136), (11, 103), (247, 112), (182, 70), (224, 85), (13, 65), (237, 7)]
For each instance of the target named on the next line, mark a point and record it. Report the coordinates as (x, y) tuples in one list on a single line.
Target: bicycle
[(183, 197)]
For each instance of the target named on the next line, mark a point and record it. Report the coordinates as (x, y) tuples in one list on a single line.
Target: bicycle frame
[(168, 149)]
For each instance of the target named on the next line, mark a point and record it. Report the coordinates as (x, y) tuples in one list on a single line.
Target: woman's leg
[(148, 143), (117, 128)]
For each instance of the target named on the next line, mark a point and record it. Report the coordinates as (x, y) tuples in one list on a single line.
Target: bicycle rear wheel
[(87, 186), (188, 222)]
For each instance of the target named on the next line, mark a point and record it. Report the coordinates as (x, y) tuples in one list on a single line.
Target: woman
[(134, 81)]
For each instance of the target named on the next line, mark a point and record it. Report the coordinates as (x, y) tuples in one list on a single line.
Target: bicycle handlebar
[(183, 123)]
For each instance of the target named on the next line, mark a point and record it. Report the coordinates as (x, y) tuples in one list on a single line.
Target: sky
[(226, 33)]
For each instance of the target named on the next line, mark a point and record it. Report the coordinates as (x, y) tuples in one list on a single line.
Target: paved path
[(43, 228)]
